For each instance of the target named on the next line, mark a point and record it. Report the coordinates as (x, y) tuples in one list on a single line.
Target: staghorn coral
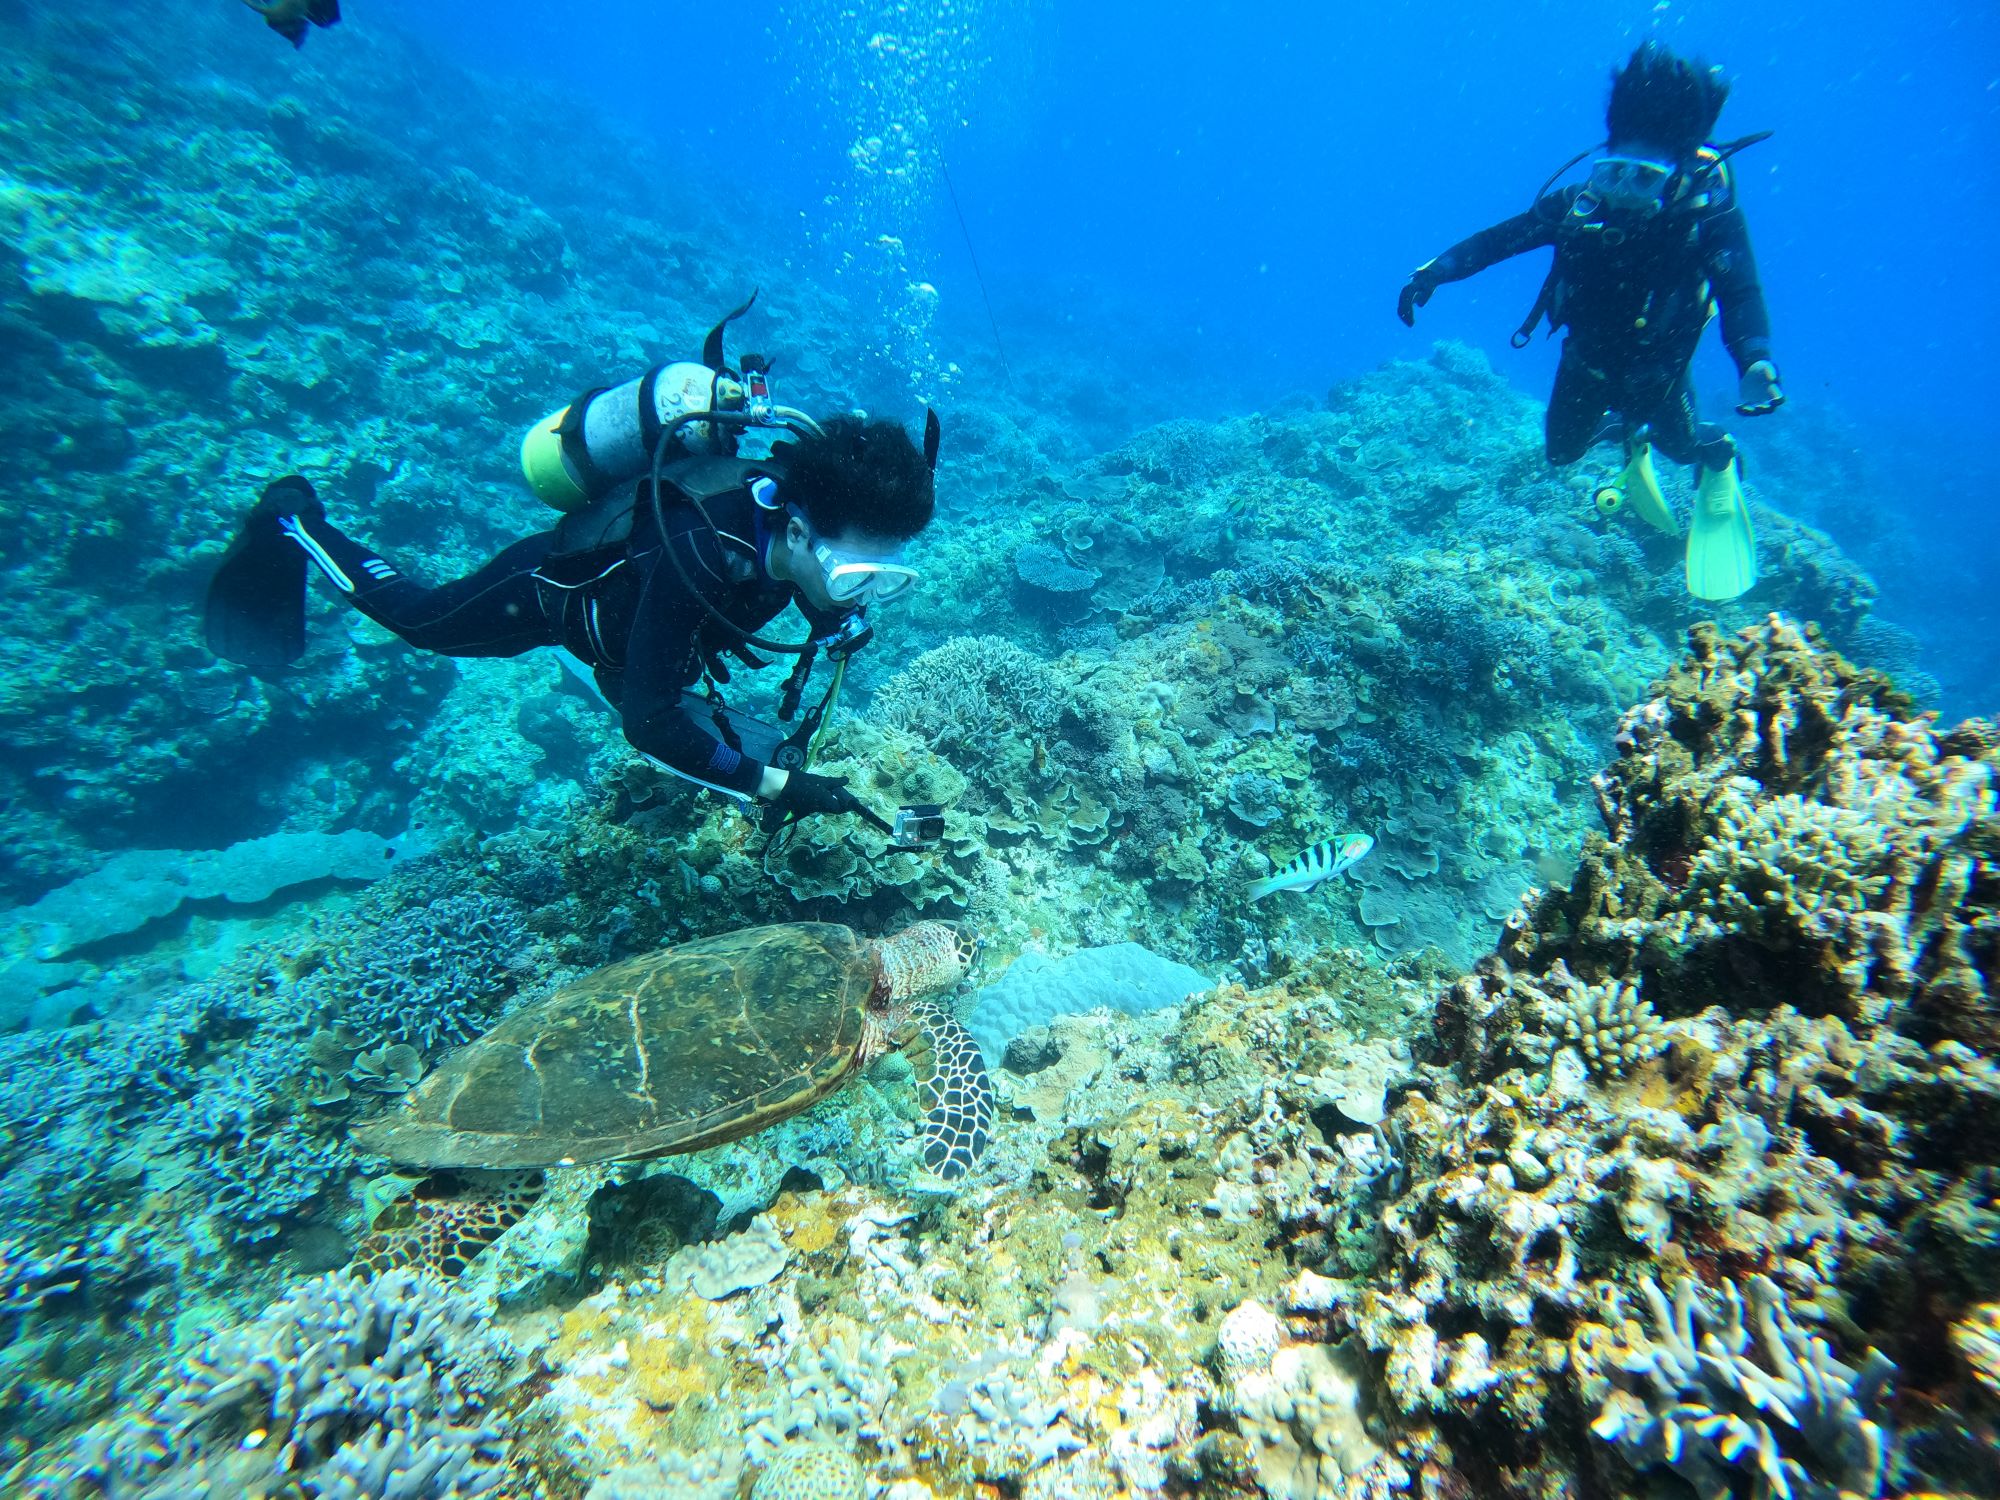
[(1012, 1425), (28, 1279), (839, 1389), (365, 1387), (1714, 1395)]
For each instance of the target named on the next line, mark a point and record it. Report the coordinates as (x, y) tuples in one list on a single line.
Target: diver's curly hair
[(855, 475), (1663, 100)]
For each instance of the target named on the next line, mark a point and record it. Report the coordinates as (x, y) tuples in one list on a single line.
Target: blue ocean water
[(1365, 973), (1213, 208)]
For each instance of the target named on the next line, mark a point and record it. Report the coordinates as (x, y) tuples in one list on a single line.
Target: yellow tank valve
[(545, 467)]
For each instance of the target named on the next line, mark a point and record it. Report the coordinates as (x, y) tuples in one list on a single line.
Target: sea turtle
[(698, 1044)]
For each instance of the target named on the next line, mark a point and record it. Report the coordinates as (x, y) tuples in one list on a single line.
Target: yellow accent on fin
[(1722, 544), (1642, 491)]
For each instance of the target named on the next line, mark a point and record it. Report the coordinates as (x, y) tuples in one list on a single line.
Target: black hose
[(667, 435)]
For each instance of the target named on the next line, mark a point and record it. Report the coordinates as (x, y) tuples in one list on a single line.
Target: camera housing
[(917, 826)]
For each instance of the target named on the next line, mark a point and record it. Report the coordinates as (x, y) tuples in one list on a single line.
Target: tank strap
[(1544, 299), (569, 433)]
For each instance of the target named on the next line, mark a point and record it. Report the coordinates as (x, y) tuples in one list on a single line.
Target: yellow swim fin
[(1722, 544), (1642, 490)]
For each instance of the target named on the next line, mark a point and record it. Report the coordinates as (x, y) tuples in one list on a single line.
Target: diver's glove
[(711, 654), (807, 792), (1416, 292), (1758, 392)]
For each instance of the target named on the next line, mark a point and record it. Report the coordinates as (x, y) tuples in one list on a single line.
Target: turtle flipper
[(444, 1225), (957, 1094)]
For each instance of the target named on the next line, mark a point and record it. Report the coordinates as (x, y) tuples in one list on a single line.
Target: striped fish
[(1323, 861)]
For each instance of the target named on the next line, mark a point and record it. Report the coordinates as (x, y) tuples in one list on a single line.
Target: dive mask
[(854, 576), (1636, 185)]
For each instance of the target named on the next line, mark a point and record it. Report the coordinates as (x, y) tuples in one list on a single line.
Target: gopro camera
[(917, 826)]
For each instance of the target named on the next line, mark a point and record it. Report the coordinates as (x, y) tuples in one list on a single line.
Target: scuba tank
[(610, 434), (605, 435)]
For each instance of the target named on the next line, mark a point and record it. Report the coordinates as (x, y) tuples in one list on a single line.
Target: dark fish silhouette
[(289, 17)]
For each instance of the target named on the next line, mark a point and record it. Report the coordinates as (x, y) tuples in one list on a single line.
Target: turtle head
[(925, 958)]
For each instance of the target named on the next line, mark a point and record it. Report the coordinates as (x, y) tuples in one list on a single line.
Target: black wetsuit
[(1635, 301), (600, 585)]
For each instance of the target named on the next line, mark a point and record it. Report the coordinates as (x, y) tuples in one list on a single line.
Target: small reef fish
[(1323, 861), (289, 17)]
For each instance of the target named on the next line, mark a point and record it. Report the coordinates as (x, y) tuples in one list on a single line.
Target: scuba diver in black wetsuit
[(1648, 250), (674, 553)]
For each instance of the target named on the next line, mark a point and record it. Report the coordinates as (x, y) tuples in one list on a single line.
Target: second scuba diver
[(672, 555), (1647, 251)]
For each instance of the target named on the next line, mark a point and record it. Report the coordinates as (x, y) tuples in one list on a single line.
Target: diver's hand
[(1416, 292), (711, 654), (806, 792), (1758, 393)]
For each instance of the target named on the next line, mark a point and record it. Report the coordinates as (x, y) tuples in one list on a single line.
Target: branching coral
[(27, 1279), (1790, 863), (963, 695), (433, 975), (1728, 1406), (366, 1387), (1010, 1427), (837, 1389), (1612, 1028)]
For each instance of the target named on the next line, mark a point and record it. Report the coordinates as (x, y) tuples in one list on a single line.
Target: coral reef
[(1793, 1015), (1712, 1390), (1674, 1186), (1351, 1194), (356, 1387)]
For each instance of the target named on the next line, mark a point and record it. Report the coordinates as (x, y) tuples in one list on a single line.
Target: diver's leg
[(496, 611), (1722, 540), (1678, 430), (1576, 410)]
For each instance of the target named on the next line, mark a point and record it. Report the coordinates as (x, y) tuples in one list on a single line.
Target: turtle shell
[(671, 1051)]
